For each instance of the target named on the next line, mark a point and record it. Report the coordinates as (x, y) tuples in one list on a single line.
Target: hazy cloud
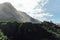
[(39, 12), (34, 8)]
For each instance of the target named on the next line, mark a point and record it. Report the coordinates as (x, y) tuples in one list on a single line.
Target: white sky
[(23, 5), (31, 7)]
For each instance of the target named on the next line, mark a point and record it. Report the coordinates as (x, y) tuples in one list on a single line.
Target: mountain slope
[(26, 18), (9, 13)]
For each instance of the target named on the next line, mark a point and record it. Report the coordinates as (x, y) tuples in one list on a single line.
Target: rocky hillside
[(17, 25), (9, 13), (26, 31)]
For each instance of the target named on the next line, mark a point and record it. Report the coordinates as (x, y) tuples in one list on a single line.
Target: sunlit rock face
[(9, 13)]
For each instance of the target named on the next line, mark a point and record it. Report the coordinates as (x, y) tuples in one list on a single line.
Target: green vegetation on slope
[(12, 26), (2, 36), (52, 28)]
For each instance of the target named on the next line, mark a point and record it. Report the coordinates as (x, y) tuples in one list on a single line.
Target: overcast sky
[(39, 9)]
